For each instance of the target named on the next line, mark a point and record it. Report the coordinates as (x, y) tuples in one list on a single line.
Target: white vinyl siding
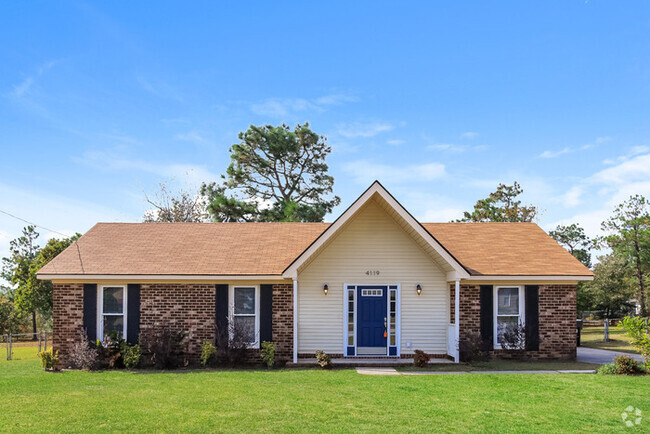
[(372, 241)]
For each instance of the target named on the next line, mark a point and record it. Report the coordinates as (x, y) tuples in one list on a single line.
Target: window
[(372, 292), (112, 311), (351, 290), (245, 313), (508, 309)]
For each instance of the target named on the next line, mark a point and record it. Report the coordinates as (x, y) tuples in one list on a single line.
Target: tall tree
[(574, 239), (170, 206), (275, 174), (611, 290), (629, 238), (31, 295), (501, 206)]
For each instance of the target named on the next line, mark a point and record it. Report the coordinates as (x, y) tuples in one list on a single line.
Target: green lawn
[(592, 337), (503, 365), (312, 400)]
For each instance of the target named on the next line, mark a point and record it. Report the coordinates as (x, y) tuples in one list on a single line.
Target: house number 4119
[(372, 273)]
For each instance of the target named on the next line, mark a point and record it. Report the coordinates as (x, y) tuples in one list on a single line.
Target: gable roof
[(277, 250)]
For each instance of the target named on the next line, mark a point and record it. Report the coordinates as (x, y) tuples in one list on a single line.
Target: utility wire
[(33, 224), (50, 230)]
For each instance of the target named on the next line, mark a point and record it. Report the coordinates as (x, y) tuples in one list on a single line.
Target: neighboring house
[(375, 283)]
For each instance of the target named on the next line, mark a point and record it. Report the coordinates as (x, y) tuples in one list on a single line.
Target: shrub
[(208, 352), (131, 355), (626, 365), (324, 359), (637, 329), (166, 348), (421, 359), (232, 344), (473, 349), (268, 353), (109, 351), (49, 360), (82, 355), (607, 369)]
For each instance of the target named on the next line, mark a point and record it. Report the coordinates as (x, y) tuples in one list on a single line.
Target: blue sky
[(440, 101)]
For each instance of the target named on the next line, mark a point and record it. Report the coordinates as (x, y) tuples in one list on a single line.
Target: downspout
[(295, 320), (457, 318)]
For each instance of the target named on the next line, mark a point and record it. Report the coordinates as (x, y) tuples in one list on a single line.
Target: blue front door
[(371, 319)]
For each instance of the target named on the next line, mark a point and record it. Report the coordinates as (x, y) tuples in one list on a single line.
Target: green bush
[(626, 365), (608, 369), (324, 359), (131, 355), (421, 359), (639, 332), (49, 360), (208, 351), (268, 353)]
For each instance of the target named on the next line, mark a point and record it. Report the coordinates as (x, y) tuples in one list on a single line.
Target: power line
[(33, 224), (50, 230)]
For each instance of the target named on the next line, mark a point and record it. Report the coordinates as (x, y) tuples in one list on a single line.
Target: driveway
[(593, 355)]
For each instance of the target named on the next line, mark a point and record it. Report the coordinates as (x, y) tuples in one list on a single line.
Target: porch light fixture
[(325, 289), (418, 289)]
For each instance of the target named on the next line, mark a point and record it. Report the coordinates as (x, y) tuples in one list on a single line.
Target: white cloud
[(554, 154), (285, 107), (634, 169), (192, 136), (23, 87), (190, 175), (604, 139), (448, 147), (572, 197), (395, 142), (358, 129), (365, 172), (469, 135)]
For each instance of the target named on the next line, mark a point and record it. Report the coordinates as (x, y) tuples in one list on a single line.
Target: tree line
[(280, 174)]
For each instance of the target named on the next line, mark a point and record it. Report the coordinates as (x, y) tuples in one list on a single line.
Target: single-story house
[(374, 283)]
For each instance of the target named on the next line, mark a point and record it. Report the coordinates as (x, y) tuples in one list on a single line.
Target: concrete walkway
[(393, 371), (594, 355)]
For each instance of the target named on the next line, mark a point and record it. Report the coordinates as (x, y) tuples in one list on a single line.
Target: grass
[(504, 365), (592, 337), (311, 400)]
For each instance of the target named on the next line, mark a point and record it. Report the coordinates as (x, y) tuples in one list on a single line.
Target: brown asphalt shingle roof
[(268, 248)]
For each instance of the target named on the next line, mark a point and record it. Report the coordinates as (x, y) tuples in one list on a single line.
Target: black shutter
[(133, 314), (221, 311), (532, 317), (487, 316), (90, 312), (266, 313)]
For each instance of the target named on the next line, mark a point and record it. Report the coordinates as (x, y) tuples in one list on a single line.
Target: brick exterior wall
[(557, 320), (283, 321), (181, 307), (186, 307), (67, 317)]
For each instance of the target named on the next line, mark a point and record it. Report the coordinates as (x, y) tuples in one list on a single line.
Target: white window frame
[(100, 310), (495, 310), (232, 315)]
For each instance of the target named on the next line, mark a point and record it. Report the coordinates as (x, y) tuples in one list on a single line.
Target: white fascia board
[(376, 187), (159, 277), (529, 277)]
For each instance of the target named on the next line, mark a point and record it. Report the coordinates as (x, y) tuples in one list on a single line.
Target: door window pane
[(508, 301), (245, 301), (114, 299)]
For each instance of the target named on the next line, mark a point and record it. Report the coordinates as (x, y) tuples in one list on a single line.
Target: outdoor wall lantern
[(418, 289), (325, 289)]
